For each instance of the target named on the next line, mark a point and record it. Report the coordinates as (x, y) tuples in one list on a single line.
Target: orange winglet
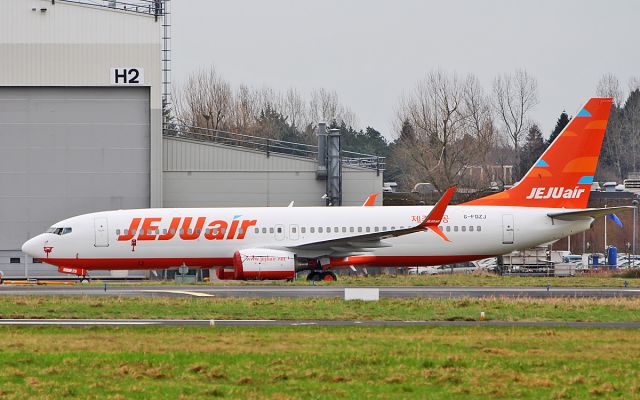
[(371, 200), (437, 212)]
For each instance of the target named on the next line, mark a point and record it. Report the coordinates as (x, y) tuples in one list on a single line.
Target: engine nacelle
[(264, 264), (223, 273)]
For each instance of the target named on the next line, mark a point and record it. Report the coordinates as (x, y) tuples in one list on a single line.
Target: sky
[(371, 52)]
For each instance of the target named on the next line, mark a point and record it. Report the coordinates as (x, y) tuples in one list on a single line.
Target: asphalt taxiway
[(310, 291)]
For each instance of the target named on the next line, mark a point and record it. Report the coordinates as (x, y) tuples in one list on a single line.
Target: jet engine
[(250, 264)]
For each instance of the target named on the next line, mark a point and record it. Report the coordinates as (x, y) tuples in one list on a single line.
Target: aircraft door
[(293, 232), (101, 232), (507, 229), (279, 232)]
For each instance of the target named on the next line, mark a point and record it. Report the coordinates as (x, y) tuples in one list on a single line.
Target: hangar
[(82, 87)]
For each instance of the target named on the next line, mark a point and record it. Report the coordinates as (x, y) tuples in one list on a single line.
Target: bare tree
[(294, 108), (514, 96), (440, 149), (609, 86), (205, 100), (324, 105)]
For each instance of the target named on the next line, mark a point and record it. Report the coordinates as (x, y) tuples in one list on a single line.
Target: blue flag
[(615, 219)]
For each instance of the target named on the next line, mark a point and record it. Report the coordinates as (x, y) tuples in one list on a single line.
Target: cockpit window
[(59, 231)]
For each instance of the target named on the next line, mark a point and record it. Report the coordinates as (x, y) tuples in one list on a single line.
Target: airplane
[(257, 243)]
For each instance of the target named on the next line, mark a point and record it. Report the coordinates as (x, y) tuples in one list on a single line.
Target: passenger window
[(344, 229), (384, 228), (312, 230), (293, 230), (464, 228), (328, 229), (279, 230), (455, 228), (257, 230), (133, 232), (173, 231), (117, 231), (335, 229), (150, 232), (393, 228), (303, 230), (199, 231), (264, 230), (479, 228), (368, 229), (376, 229), (351, 229), (164, 231), (320, 230), (224, 230), (126, 231), (240, 231), (359, 229), (448, 228), (471, 228), (270, 230), (215, 231)]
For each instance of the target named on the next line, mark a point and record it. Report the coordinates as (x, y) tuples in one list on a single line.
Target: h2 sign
[(127, 76)]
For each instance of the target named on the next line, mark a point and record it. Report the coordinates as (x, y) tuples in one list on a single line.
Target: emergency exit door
[(507, 229)]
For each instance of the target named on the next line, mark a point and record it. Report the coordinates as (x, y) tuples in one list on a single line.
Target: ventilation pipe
[(321, 170)]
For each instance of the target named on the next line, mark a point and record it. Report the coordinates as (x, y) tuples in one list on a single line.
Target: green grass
[(319, 363), (501, 309), (593, 280)]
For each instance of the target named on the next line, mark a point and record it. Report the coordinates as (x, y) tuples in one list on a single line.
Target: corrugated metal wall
[(200, 174)]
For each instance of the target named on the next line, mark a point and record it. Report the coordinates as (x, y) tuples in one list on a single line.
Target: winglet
[(437, 212), (370, 200)]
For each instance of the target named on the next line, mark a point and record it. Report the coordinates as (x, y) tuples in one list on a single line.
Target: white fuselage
[(169, 239)]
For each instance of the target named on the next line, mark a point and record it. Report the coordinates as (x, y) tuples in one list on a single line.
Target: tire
[(328, 276)]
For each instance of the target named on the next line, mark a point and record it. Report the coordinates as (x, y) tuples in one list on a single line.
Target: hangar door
[(68, 151)]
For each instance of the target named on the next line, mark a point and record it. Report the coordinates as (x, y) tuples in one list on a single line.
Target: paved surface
[(239, 322), (310, 291)]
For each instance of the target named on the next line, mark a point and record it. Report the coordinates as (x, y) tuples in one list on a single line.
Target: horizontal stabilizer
[(586, 213)]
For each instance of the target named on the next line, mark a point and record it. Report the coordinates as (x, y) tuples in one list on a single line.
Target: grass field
[(319, 363), (501, 309)]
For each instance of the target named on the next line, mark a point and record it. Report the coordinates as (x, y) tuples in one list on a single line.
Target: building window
[(14, 260)]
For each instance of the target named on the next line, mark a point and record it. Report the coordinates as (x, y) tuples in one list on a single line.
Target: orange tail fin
[(562, 176)]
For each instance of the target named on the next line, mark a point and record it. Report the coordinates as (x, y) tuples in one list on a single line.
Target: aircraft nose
[(32, 246)]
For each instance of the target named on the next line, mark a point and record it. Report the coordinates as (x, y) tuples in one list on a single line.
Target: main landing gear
[(322, 276)]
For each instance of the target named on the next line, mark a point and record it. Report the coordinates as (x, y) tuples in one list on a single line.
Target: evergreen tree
[(563, 120), (532, 149)]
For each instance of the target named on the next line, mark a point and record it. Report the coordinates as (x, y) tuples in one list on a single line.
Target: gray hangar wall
[(198, 174), (64, 154)]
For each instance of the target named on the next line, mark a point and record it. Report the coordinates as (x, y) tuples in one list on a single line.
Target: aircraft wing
[(354, 244), (586, 213)]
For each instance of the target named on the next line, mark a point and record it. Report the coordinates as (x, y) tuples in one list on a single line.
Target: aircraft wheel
[(328, 276), (313, 276)]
